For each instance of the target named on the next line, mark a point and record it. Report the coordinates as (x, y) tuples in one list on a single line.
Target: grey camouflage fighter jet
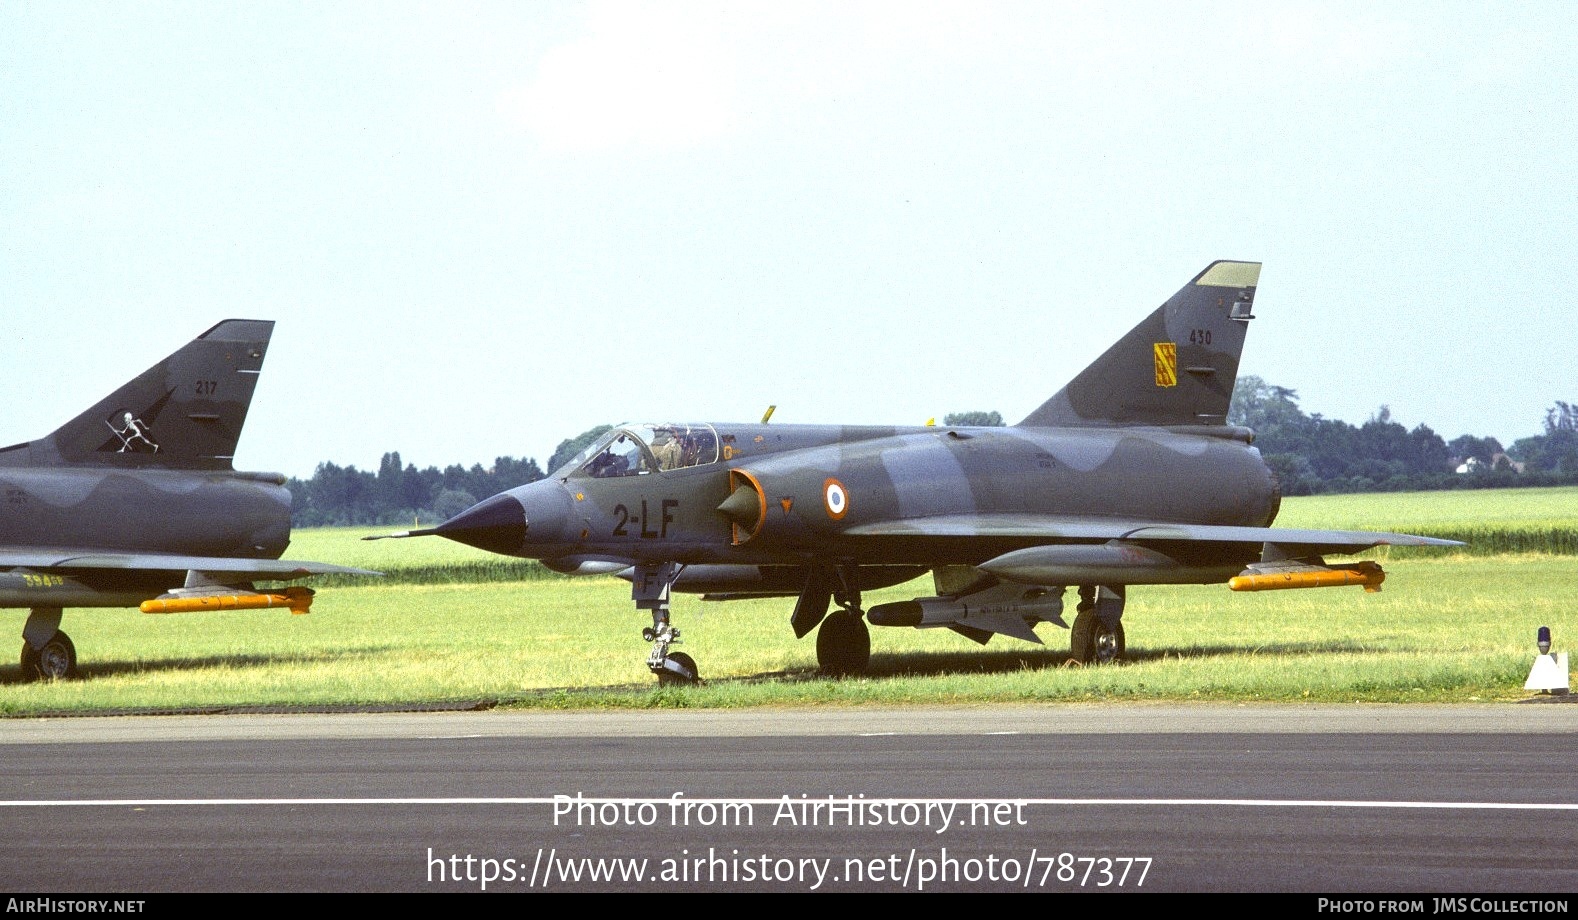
[(1129, 475), (134, 503)]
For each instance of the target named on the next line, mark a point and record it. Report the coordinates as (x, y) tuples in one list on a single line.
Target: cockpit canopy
[(636, 450)]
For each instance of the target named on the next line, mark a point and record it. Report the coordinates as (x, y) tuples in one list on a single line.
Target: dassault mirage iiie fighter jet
[(134, 503), (1129, 475)]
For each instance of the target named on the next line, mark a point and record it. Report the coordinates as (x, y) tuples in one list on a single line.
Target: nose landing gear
[(650, 590)]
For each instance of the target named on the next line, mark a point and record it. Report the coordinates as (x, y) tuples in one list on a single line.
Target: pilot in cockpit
[(606, 465), (670, 451)]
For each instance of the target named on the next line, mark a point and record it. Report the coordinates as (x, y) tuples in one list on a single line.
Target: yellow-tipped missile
[(298, 599), (1367, 574)]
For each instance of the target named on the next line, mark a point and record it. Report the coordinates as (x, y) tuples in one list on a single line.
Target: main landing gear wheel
[(668, 677), (843, 644), (57, 660), (1094, 642)]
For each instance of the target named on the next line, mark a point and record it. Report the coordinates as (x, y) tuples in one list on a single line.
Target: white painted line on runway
[(838, 801)]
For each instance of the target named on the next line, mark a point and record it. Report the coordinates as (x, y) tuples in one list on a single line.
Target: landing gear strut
[(1097, 636), (47, 653), (650, 590), (843, 643)]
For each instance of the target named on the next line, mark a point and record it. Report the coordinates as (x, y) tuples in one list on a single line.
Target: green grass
[(1490, 521), (452, 623), (1454, 628), (413, 561), (1489, 507)]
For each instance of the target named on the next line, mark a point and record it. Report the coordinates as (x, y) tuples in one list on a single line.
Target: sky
[(484, 228)]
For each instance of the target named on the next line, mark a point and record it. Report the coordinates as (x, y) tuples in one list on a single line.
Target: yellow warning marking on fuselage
[(1166, 364)]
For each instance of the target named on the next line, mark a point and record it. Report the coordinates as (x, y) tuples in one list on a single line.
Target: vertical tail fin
[(1177, 367), (185, 412)]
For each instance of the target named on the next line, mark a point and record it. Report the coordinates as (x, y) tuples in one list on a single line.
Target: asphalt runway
[(1425, 800)]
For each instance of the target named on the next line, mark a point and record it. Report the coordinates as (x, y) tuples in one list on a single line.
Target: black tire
[(57, 660), (1091, 642), (843, 644), (666, 677)]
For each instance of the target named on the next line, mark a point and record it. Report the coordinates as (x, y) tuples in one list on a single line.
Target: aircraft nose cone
[(548, 509), (496, 524)]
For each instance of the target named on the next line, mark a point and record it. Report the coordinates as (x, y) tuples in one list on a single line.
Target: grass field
[(1447, 627), (1490, 520)]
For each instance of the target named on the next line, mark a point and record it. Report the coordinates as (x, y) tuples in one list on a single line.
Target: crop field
[(1448, 626), (1490, 521)]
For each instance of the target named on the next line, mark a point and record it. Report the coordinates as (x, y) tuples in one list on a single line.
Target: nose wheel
[(650, 590), (670, 667), (678, 668)]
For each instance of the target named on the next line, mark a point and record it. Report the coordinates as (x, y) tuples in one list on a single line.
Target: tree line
[(1310, 454), (338, 496)]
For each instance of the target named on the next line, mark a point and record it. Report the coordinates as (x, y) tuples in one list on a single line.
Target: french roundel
[(835, 499)]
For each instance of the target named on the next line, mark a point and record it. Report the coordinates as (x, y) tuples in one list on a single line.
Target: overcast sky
[(483, 228)]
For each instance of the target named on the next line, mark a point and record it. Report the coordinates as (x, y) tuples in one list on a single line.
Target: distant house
[(1497, 462)]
